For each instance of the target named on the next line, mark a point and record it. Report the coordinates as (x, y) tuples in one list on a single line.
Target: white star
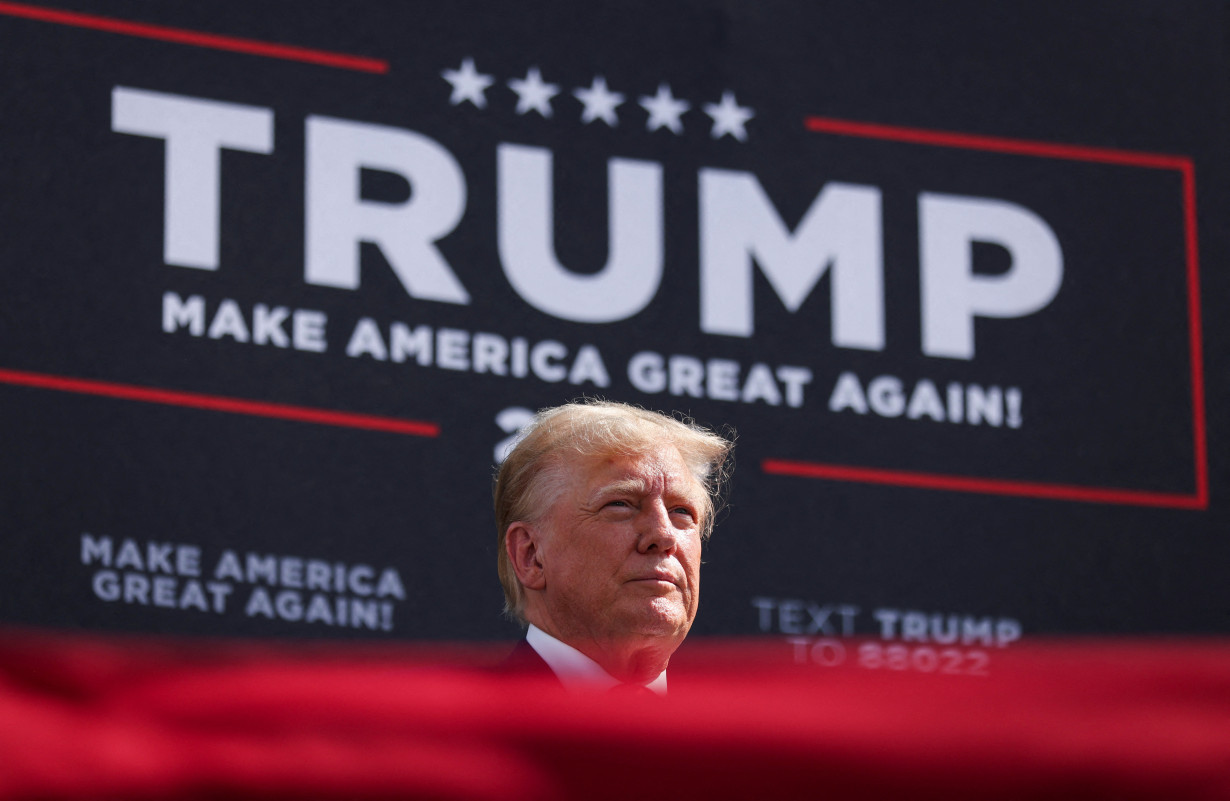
[(664, 110), (600, 102), (468, 84), (729, 117), (533, 94)]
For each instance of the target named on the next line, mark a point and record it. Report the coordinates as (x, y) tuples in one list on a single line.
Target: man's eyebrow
[(637, 486), (627, 485)]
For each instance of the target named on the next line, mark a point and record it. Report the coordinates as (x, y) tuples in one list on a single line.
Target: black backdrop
[(945, 474)]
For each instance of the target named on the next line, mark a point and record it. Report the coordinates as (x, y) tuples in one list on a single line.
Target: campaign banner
[(280, 284)]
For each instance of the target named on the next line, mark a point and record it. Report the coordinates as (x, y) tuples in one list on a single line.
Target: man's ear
[(521, 541)]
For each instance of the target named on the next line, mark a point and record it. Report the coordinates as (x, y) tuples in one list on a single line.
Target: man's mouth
[(659, 578)]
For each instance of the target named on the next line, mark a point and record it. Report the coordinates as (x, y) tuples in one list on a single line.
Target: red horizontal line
[(987, 486), (995, 144), (213, 41), (218, 403)]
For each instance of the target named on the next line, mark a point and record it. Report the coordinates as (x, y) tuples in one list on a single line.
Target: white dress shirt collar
[(576, 670)]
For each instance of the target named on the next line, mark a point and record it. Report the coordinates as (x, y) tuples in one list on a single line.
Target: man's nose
[(655, 531)]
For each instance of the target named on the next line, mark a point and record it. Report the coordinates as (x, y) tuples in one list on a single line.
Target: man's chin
[(659, 617)]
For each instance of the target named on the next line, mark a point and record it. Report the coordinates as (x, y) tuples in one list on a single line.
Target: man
[(601, 509)]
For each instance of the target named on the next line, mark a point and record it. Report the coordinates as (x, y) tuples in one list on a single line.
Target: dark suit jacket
[(525, 661)]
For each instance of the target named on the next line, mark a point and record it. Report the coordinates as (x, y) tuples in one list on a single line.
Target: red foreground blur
[(118, 718)]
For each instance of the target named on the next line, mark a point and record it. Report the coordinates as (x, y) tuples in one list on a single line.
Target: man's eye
[(617, 503), (683, 510)]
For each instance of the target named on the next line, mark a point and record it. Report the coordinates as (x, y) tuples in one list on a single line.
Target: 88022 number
[(924, 659)]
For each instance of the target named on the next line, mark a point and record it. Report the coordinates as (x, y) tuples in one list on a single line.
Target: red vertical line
[(1199, 432)]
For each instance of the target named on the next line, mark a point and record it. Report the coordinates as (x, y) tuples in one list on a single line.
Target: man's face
[(621, 555)]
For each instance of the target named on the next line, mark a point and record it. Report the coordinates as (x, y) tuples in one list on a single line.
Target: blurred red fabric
[(91, 717)]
